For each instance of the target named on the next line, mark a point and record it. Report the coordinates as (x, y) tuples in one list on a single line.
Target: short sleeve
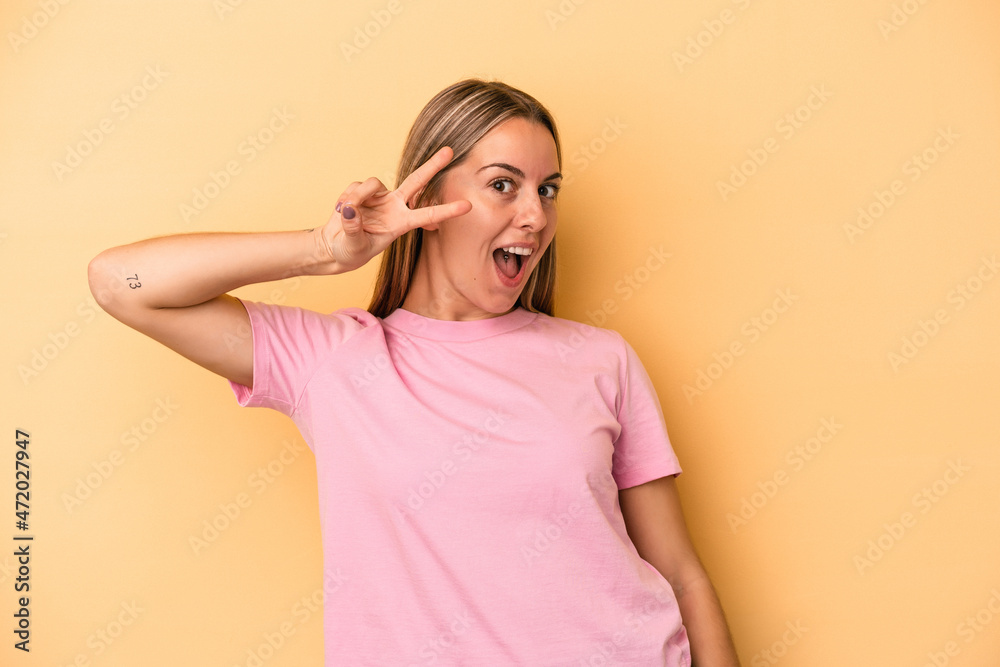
[(289, 343), (642, 451)]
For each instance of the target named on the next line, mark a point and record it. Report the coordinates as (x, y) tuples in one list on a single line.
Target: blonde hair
[(459, 116)]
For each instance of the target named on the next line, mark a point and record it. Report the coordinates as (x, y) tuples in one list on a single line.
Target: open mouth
[(510, 262)]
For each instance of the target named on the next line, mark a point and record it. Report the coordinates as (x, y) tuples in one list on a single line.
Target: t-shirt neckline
[(454, 330)]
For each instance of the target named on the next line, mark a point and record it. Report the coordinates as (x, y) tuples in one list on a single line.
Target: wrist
[(316, 259)]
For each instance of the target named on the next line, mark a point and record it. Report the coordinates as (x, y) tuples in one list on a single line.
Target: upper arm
[(215, 334), (655, 523)]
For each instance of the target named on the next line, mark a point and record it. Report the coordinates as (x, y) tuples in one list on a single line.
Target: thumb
[(350, 219)]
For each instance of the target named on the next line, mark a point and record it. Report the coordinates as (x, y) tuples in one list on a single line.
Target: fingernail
[(339, 204), (349, 213)]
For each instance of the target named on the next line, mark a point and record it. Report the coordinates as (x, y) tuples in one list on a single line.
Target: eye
[(549, 190), (503, 185)]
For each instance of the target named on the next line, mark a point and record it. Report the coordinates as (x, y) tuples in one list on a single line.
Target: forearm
[(189, 269), (708, 634)]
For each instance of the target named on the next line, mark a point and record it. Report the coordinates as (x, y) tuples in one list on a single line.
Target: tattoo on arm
[(133, 281)]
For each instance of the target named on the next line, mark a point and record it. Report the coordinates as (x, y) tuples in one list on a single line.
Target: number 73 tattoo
[(136, 284)]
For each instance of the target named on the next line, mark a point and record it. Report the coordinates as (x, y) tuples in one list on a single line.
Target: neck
[(436, 297)]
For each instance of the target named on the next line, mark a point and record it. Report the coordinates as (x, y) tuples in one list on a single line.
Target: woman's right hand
[(369, 216), (175, 289)]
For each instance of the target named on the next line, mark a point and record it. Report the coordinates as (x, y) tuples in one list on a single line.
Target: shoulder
[(569, 337), (280, 311), (297, 321)]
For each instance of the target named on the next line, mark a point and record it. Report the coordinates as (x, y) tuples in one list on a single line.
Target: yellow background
[(658, 103)]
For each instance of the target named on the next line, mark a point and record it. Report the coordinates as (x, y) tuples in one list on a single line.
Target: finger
[(363, 192), (359, 196), (429, 215), (422, 175), (345, 196), (350, 220)]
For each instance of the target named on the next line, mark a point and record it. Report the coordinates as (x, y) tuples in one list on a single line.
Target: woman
[(496, 484)]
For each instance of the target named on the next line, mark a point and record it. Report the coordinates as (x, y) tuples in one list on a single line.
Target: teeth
[(517, 251)]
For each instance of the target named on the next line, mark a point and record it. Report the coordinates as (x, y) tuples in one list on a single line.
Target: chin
[(501, 306)]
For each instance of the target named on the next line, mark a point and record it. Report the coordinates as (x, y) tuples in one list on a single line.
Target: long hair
[(459, 116)]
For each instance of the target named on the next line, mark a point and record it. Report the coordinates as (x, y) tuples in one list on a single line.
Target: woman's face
[(511, 178)]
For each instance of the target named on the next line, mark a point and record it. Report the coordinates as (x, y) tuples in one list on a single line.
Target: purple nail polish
[(339, 204), (349, 213)]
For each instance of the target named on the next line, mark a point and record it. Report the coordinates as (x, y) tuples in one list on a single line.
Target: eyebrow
[(517, 172)]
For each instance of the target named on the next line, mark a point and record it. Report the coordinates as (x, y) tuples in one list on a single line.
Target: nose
[(531, 213)]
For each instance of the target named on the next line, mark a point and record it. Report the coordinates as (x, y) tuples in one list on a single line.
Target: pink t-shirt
[(468, 479)]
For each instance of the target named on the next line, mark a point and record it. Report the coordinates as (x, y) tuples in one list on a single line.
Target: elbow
[(97, 279), (103, 285), (110, 288)]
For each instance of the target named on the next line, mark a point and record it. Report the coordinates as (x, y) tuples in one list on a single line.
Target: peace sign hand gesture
[(369, 217)]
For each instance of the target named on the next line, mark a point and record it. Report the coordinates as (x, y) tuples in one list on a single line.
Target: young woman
[(496, 484)]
